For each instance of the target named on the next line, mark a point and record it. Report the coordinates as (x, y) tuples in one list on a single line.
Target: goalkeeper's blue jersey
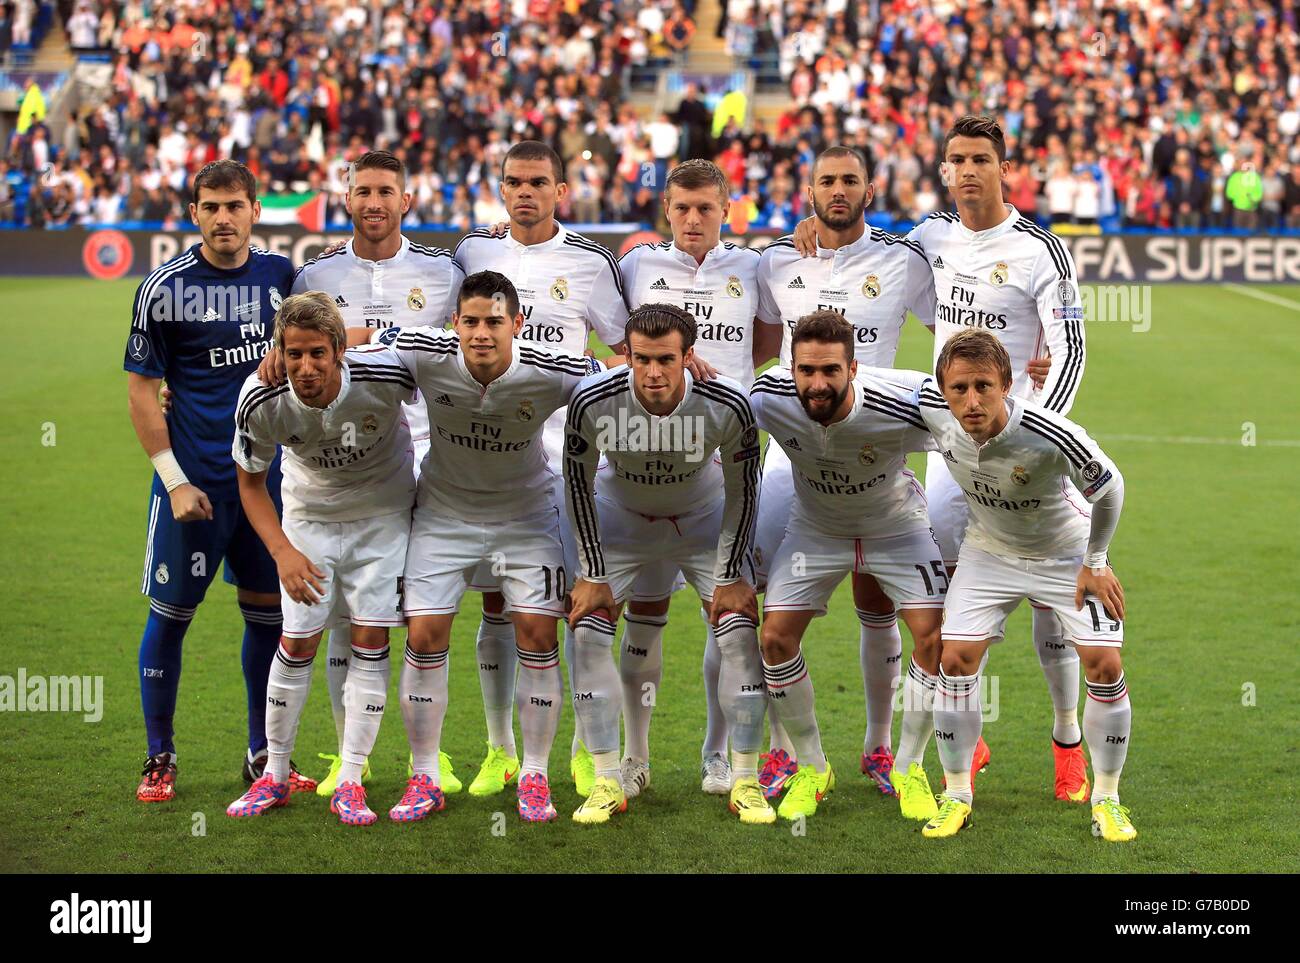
[(205, 329)]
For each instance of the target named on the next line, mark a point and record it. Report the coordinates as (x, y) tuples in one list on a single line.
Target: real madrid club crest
[(1000, 273), (734, 288), (867, 456), (415, 300), (276, 300), (871, 286), (560, 290), (370, 424), (525, 411), (161, 576), (1019, 475)]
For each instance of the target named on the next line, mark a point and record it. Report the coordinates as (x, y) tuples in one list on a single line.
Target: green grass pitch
[(1207, 552)]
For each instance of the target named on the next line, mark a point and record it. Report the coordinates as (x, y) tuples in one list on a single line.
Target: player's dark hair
[(977, 125), (491, 285), (224, 175), (841, 151), (824, 327), (377, 160), (976, 348), (691, 175), (534, 150), (659, 321), (313, 311)]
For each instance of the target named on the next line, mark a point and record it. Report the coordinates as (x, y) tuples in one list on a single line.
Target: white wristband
[(169, 470), (1097, 562)]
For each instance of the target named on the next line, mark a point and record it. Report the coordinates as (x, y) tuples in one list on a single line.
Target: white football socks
[(715, 731), (367, 692), (423, 691), (1061, 669), (640, 667), (597, 692), (286, 695), (338, 652), (918, 716), (538, 693), (495, 649), (958, 722), (790, 687), (1107, 721), (880, 651)]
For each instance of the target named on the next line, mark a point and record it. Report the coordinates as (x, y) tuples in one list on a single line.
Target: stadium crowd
[(1150, 115)]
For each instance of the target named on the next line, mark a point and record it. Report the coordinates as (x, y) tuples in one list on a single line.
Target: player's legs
[(640, 668), (880, 652), (495, 648), (776, 493), (984, 590), (180, 562), (534, 584), (422, 689), (1107, 716), (1060, 664), (250, 568)]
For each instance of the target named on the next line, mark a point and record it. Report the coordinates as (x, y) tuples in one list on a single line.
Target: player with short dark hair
[(678, 493), (202, 321), (856, 508), (1024, 470), (378, 279)]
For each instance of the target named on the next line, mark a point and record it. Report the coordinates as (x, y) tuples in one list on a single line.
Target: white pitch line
[(1264, 296), (1192, 440)]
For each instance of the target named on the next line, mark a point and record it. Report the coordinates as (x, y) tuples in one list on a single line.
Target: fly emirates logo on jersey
[(486, 436), (960, 308), (539, 331), (218, 306)]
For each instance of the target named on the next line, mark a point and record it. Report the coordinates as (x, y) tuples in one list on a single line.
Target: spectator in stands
[(679, 31)]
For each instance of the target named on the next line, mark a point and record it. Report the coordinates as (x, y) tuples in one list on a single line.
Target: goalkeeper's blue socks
[(262, 625), (160, 671)]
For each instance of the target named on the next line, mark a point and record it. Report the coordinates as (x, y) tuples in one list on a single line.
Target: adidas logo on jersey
[(443, 400), (796, 284), (660, 285), (212, 315), (341, 301), (793, 443), (295, 440), (938, 262), (949, 456)]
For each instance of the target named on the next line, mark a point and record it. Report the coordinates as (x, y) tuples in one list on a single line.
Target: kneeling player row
[(346, 488)]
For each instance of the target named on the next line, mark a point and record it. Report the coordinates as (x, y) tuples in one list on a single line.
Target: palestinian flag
[(305, 209)]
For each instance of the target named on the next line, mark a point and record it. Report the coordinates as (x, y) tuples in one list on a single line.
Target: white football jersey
[(485, 461), (721, 294), (568, 286), (346, 461), (1018, 281), (850, 478), (1018, 484), (417, 285), (873, 282), (662, 466)]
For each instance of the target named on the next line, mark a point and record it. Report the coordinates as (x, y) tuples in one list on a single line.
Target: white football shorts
[(362, 561), (522, 554), (808, 566), (986, 588)]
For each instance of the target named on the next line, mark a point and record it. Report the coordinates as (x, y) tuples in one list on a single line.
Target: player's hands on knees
[(805, 237), (588, 597), (165, 396), (737, 597), (1038, 368), (190, 504), (1102, 583), (301, 579), (701, 370), (271, 370)]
